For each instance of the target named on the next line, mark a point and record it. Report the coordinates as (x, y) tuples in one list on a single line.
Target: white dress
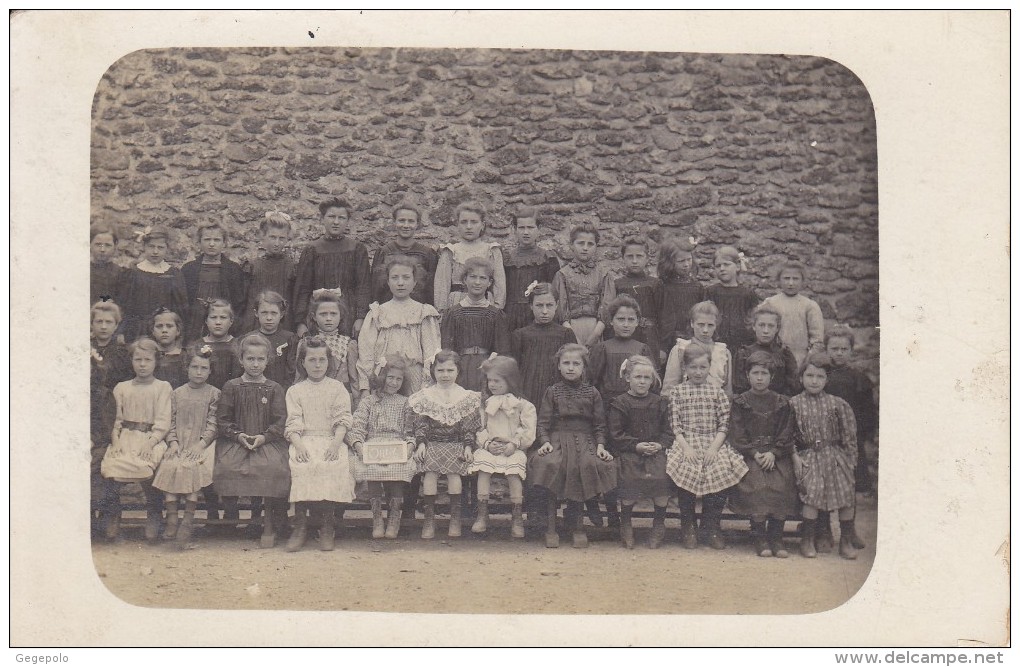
[(720, 369), (314, 411), (515, 419), (409, 329), (449, 282), (143, 420)]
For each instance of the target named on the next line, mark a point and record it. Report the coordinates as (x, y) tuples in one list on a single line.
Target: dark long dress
[(524, 266), (758, 424), (331, 263), (474, 332), (103, 281), (173, 368), (534, 347), (427, 257), (224, 362), (735, 305), (573, 420), (224, 280), (634, 419), (785, 379), (270, 272), (604, 365), (856, 389), (253, 408), (678, 297), (282, 356), (647, 291), (141, 293)]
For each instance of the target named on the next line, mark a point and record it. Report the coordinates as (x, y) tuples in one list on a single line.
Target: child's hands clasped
[(647, 448), (767, 460)]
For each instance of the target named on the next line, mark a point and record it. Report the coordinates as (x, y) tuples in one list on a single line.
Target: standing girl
[(582, 287), (137, 445), (329, 318), (765, 321), (507, 430), (167, 330), (400, 326), (446, 419), (525, 264), (251, 454), (735, 301), (384, 414), (764, 430), (802, 327), (645, 289), (218, 320), (450, 287), (318, 416), (274, 271), (270, 311), (187, 467), (680, 288), (640, 434), (212, 275), (104, 273), (704, 317), (700, 462), (534, 346), (825, 467), (150, 284), (406, 219), (572, 463)]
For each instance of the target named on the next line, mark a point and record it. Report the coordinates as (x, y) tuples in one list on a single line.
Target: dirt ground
[(412, 575)]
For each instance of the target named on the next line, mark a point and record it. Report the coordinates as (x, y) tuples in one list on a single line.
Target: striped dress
[(829, 433), (699, 412)]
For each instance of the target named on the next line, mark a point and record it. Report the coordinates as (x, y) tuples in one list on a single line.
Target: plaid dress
[(829, 432), (383, 416), (446, 424), (698, 412)]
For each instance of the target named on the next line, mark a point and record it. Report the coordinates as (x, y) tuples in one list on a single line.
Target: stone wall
[(773, 154)]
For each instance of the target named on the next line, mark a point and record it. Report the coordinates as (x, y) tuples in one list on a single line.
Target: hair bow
[(693, 241), (105, 297), (380, 365), (323, 291), (205, 303), (205, 351), (624, 366), (162, 310), (744, 264), (530, 288), (492, 355)]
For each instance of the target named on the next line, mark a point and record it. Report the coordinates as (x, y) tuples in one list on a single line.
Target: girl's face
[(401, 281), (584, 246), (393, 381), (635, 258), (165, 330), (641, 380), (814, 379), (275, 240), (103, 326), (470, 225), (155, 250), (624, 322), (218, 322), (759, 378), (445, 373), (839, 350), (144, 363), (198, 371), (335, 221), (269, 317), (406, 222), (527, 232), (103, 247), (477, 283), (726, 271), (571, 366), (684, 263), (765, 328), (327, 317), (316, 363), (211, 242), (254, 359), (791, 281), (704, 327), (497, 385), (543, 307), (697, 369)]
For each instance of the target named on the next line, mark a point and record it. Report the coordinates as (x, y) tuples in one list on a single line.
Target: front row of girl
[(757, 452)]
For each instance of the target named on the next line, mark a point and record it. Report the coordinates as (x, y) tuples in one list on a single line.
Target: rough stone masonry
[(773, 154)]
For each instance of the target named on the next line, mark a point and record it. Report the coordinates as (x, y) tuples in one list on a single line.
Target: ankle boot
[(170, 531), (455, 514), (153, 518), (846, 545), (612, 510), (482, 518), (517, 521), (823, 534), (658, 534), (712, 512), (807, 538), (579, 536), (428, 526), (378, 528), (552, 538), (184, 528), (774, 531), (393, 518), (688, 527), (300, 534), (327, 534), (268, 539), (761, 546), (627, 527), (593, 512)]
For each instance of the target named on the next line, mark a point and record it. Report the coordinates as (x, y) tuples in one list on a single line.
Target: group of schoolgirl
[(286, 416)]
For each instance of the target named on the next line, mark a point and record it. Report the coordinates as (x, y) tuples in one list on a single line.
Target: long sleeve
[(676, 421), (546, 417), (367, 341), (340, 411), (162, 415), (351, 365), (517, 346), (791, 370), (728, 368), (470, 426), (171, 435), (665, 428), (362, 282), (723, 419), (559, 286), (380, 286), (443, 279), (304, 278), (295, 424), (422, 426), (740, 383), (815, 323), (483, 434), (225, 417), (787, 435), (179, 302), (739, 435), (431, 340), (524, 436), (847, 427), (674, 373), (607, 292), (498, 277), (598, 425), (501, 334), (358, 431), (597, 364), (277, 414), (619, 422)]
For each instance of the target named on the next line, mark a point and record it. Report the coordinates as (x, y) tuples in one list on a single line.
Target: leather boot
[(579, 537), (593, 512), (658, 534), (627, 527), (327, 534), (183, 537), (428, 526), (846, 545), (378, 527), (761, 546), (455, 514), (482, 517), (612, 509), (552, 538), (170, 531), (712, 510), (517, 521), (393, 518), (774, 532), (807, 538), (688, 527), (823, 533), (300, 534), (268, 539)]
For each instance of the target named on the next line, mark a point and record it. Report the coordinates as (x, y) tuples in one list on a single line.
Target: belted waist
[(144, 427)]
